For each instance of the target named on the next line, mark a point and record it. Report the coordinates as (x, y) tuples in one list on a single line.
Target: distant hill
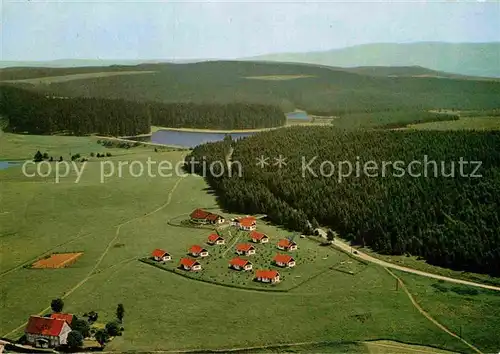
[(74, 63), (320, 90), (473, 59)]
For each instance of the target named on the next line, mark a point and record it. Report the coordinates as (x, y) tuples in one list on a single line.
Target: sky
[(90, 29)]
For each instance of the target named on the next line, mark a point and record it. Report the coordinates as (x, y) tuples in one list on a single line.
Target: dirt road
[(343, 245)]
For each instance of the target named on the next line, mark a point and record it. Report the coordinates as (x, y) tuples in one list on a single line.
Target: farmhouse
[(245, 249), (215, 239), (284, 260), (160, 255), (46, 332), (248, 223), (267, 276), (201, 216), (258, 237), (240, 264), (190, 264), (63, 316), (287, 245), (198, 251)]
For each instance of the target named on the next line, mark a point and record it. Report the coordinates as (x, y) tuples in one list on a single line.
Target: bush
[(113, 328), (74, 340)]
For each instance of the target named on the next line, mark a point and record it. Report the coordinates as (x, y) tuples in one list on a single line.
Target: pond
[(6, 164), (191, 139), (297, 115)]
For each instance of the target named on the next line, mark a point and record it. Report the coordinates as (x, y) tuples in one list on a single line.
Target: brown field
[(57, 260)]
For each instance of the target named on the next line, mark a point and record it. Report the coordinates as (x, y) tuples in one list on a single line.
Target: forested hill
[(325, 90), (451, 221), (37, 113)]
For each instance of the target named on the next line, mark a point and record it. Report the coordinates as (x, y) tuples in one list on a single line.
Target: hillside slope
[(474, 59), (319, 90)]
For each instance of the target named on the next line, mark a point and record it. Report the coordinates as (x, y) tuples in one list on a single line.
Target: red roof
[(286, 243), (159, 253), (213, 217), (248, 221), (254, 235), (245, 247), (63, 316), (45, 326), (199, 214), (214, 237), (266, 274), (283, 258), (239, 262), (196, 249), (188, 262)]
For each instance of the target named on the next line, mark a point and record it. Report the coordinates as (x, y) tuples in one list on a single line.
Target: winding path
[(344, 246)]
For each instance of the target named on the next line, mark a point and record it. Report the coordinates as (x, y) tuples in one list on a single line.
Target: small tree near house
[(102, 337), (81, 326), (74, 340), (57, 305), (120, 312), (113, 329)]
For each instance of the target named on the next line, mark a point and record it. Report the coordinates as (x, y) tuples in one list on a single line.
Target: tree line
[(450, 221), (37, 113)]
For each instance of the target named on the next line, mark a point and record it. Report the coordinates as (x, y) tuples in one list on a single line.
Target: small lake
[(6, 164), (297, 115), (192, 139)]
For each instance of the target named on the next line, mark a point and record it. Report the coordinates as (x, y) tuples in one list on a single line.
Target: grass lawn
[(463, 309), (123, 219), (64, 78), (278, 77), (471, 123), (311, 259)]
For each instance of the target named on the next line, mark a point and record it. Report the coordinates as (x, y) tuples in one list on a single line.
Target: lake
[(297, 115), (6, 164), (192, 139)]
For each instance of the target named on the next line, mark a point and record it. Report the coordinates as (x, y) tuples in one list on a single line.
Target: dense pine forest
[(217, 116), (37, 113), (450, 221), (318, 90)]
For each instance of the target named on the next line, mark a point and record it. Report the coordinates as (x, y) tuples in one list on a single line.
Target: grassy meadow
[(123, 219), (467, 123)]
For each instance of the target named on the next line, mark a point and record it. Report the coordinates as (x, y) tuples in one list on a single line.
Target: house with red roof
[(201, 216), (46, 332), (240, 264), (63, 316), (189, 264), (198, 251), (258, 237), (245, 249), (287, 245), (215, 239), (248, 223), (267, 276), (284, 260), (160, 255)]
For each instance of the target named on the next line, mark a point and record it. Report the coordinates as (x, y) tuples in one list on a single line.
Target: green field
[(312, 260), (464, 123), (117, 222), (64, 78)]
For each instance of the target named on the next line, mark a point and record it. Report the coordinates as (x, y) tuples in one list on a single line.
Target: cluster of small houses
[(248, 223)]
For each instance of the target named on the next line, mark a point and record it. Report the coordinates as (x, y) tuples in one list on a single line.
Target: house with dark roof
[(258, 237), (240, 264), (46, 332), (189, 264), (245, 249), (201, 216), (215, 239), (160, 255), (198, 251), (267, 276), (287, 245), (284, 260)]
